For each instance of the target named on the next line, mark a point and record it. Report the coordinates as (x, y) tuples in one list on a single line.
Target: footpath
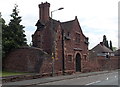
[(53, 79)]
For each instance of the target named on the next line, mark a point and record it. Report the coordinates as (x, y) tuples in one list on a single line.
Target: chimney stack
[(44, 12), (101, 43)]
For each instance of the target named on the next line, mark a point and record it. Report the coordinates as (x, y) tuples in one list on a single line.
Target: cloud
[(29, 30), (96, 17)]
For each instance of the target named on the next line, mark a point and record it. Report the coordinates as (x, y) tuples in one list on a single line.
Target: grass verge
[(5, 73)]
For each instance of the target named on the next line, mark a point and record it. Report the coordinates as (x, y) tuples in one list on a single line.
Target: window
[(67, 36), (70, 58)]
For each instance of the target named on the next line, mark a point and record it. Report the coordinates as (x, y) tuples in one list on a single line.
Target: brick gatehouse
[(65, 41), (61, 44)]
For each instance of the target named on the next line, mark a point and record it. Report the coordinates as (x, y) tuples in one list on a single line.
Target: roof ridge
[(68, 21)]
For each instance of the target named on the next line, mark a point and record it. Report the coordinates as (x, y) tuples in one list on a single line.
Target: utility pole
[(63, 59)]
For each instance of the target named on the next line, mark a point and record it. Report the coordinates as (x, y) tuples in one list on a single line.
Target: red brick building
[(62, 43), (65, 41)]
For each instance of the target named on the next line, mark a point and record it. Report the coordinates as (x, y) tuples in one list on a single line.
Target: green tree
[(4, 36), (13, 34), (0, 42), (17, 32), (111, 47), (114, 48), (107, 45), (105, 41)]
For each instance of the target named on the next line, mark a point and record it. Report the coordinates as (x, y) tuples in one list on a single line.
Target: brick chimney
[(44, 12)]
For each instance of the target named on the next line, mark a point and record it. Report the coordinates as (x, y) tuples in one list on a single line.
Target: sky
[(96, 17)]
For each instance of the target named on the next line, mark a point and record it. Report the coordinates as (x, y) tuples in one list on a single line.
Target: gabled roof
[(100, 48), (67, 25), (117, 52), (53, 24), (39, 25)]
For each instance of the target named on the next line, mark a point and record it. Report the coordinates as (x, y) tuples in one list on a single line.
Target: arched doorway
[(78, 62)]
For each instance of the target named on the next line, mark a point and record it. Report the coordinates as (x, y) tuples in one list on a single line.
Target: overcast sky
[(96, 17)]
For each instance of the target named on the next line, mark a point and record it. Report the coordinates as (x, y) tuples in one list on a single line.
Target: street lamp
[(53, 53), (56, 10)]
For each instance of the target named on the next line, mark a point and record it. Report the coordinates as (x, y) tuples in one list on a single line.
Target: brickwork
[(28, 59), (64, 41), (49, 38), (108, 64), (71, 47), (100, 63)]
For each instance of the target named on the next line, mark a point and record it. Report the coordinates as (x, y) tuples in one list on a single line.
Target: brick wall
[(108, 64), (28, 59), (31, 59), (100, 63)]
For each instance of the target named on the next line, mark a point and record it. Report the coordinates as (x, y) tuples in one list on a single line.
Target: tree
[(107, 45), (114, 48), (105, 41), (111, 45), (13, 34), (17, 32), (4, 36)]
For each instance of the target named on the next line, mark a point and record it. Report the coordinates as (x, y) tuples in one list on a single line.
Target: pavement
[(52, 79)]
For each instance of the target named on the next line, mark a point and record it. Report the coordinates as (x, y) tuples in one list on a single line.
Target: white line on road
[(93, 83), (107, 79)]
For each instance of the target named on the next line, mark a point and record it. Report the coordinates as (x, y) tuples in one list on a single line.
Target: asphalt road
[(101, 79)]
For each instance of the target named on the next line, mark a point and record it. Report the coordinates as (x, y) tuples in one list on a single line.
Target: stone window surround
[(70, 54)]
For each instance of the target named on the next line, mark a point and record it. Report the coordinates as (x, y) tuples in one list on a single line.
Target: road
[(101, 79)]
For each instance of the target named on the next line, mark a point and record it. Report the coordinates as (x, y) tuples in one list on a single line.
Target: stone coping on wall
[(32, 48)]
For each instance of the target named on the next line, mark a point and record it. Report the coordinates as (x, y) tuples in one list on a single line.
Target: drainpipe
[(63, 59)]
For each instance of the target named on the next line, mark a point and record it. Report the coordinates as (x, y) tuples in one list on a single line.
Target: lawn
[(4, 73)]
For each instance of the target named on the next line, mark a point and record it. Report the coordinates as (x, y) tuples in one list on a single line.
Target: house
[(64, 41), (100, 50), (117, 52), (59, 47), (103, 57)]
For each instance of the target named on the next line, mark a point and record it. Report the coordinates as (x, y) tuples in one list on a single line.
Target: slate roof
[(55, 23), (100, 48), (67, 25), (40, 25), (117, 52)]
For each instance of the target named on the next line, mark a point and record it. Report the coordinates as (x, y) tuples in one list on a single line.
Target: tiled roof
[(67, 25), (117, 52), (100, 48)]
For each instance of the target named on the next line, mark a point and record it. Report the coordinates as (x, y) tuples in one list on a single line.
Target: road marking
[(115, 76), (107, 79), (93, 83)]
